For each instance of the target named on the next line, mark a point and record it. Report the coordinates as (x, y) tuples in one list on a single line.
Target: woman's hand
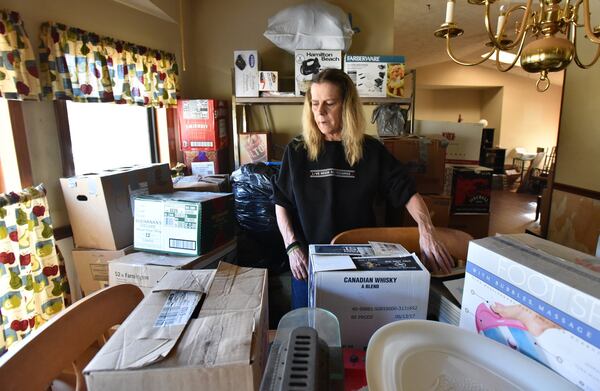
[(434, 253), (298, 263)]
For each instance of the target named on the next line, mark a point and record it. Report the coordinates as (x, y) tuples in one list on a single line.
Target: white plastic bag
[(311, 25)]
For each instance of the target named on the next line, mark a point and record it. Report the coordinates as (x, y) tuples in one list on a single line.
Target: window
[(15, 167), (105, 136)]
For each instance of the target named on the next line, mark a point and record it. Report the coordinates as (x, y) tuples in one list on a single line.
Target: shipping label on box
[(202, 124), (187, 223), (308, 63), (207, 162), (245, 65), (366, 293), (541, 305), (376, 76)]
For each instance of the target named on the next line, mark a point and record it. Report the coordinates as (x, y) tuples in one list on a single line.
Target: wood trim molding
[(17, 123), (577, 190), (64, 137), (175, 155)]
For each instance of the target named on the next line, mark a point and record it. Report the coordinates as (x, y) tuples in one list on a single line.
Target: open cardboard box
[(167, 344)]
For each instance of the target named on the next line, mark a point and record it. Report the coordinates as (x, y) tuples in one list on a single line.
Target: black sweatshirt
[(328, 196)]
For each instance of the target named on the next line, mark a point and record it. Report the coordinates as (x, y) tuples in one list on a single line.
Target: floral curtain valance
[(86, 67), (18, 68)]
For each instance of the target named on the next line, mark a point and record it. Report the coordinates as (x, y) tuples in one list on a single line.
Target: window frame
[(66, 146)]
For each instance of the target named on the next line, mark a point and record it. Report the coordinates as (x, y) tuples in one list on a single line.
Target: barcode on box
[(182, 244), (177, 309), (206, 144)]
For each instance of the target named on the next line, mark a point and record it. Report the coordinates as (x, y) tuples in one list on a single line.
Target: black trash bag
[(252, 191), (259, 242), (391, 119)]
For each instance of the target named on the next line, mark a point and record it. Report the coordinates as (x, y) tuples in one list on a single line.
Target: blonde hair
[(353, 120)]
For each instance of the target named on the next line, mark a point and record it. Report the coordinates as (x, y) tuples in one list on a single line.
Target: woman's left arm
[(433, 251)]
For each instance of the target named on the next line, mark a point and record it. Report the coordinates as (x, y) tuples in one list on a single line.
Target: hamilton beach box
[(366, 292), (197, 329), (100, 204), (184, 223), (524, 296), (308, 63)]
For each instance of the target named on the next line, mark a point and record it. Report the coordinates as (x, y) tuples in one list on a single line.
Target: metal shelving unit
[(239, 107)]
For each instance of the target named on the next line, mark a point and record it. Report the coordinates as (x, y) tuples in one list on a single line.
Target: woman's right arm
[(297, 257)]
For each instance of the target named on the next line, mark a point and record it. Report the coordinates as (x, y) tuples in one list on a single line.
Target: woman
[(331, 175)]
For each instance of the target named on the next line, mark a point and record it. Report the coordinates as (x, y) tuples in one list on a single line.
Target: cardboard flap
[(185, 280), (321, 263)]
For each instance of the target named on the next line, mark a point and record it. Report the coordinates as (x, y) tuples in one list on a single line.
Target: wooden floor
[(511, 212)]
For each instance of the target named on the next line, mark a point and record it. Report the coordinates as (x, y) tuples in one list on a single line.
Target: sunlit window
[(106, 136), (9, 170)]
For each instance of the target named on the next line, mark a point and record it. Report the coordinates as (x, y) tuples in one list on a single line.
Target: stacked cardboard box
[(196, 327), (100, 212)]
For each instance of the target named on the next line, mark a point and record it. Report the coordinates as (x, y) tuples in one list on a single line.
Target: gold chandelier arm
[(520, 33), (586, 66), (586, 21), (460, 62), (517, 56)]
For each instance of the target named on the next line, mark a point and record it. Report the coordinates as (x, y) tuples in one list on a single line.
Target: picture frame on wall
[(255, 147)]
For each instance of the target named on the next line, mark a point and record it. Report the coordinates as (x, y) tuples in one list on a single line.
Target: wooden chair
[(456, 241), (65, 339)]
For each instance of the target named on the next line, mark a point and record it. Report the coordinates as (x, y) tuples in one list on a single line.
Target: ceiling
[(416, 20)]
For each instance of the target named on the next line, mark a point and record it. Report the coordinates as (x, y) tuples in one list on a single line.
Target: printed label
[(178, 308)]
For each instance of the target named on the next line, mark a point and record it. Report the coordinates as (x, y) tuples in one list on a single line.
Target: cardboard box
[(245, 65), (185, 222), (146, 269), (100, 204), (221, 347), (376, 76), (268, 81), (439, 210), (203, 124), (424, 159), (506, 278), (379, 291), (471, 189), (92, 266), (254, 147), (214, 183), (308, 63), (207, 162), (476, 225)]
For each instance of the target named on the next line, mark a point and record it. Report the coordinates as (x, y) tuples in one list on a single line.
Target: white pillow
[(312, 25)]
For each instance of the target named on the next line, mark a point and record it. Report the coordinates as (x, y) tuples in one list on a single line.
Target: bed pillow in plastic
[(312, 25)]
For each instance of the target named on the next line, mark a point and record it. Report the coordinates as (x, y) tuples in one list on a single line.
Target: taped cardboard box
[(424, 159), (365, 293), (223, 347), (211, 183), (534, 302), (100, 204), (92, 266), (184, 223), (146, 269)]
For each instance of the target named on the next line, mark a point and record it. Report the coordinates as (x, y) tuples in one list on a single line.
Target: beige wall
[(102, 17), (528, 118), (575, 219), (220, 27), (447, 104), (491, 110)]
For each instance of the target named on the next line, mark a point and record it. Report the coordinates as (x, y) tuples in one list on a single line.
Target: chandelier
[(551, 32)]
